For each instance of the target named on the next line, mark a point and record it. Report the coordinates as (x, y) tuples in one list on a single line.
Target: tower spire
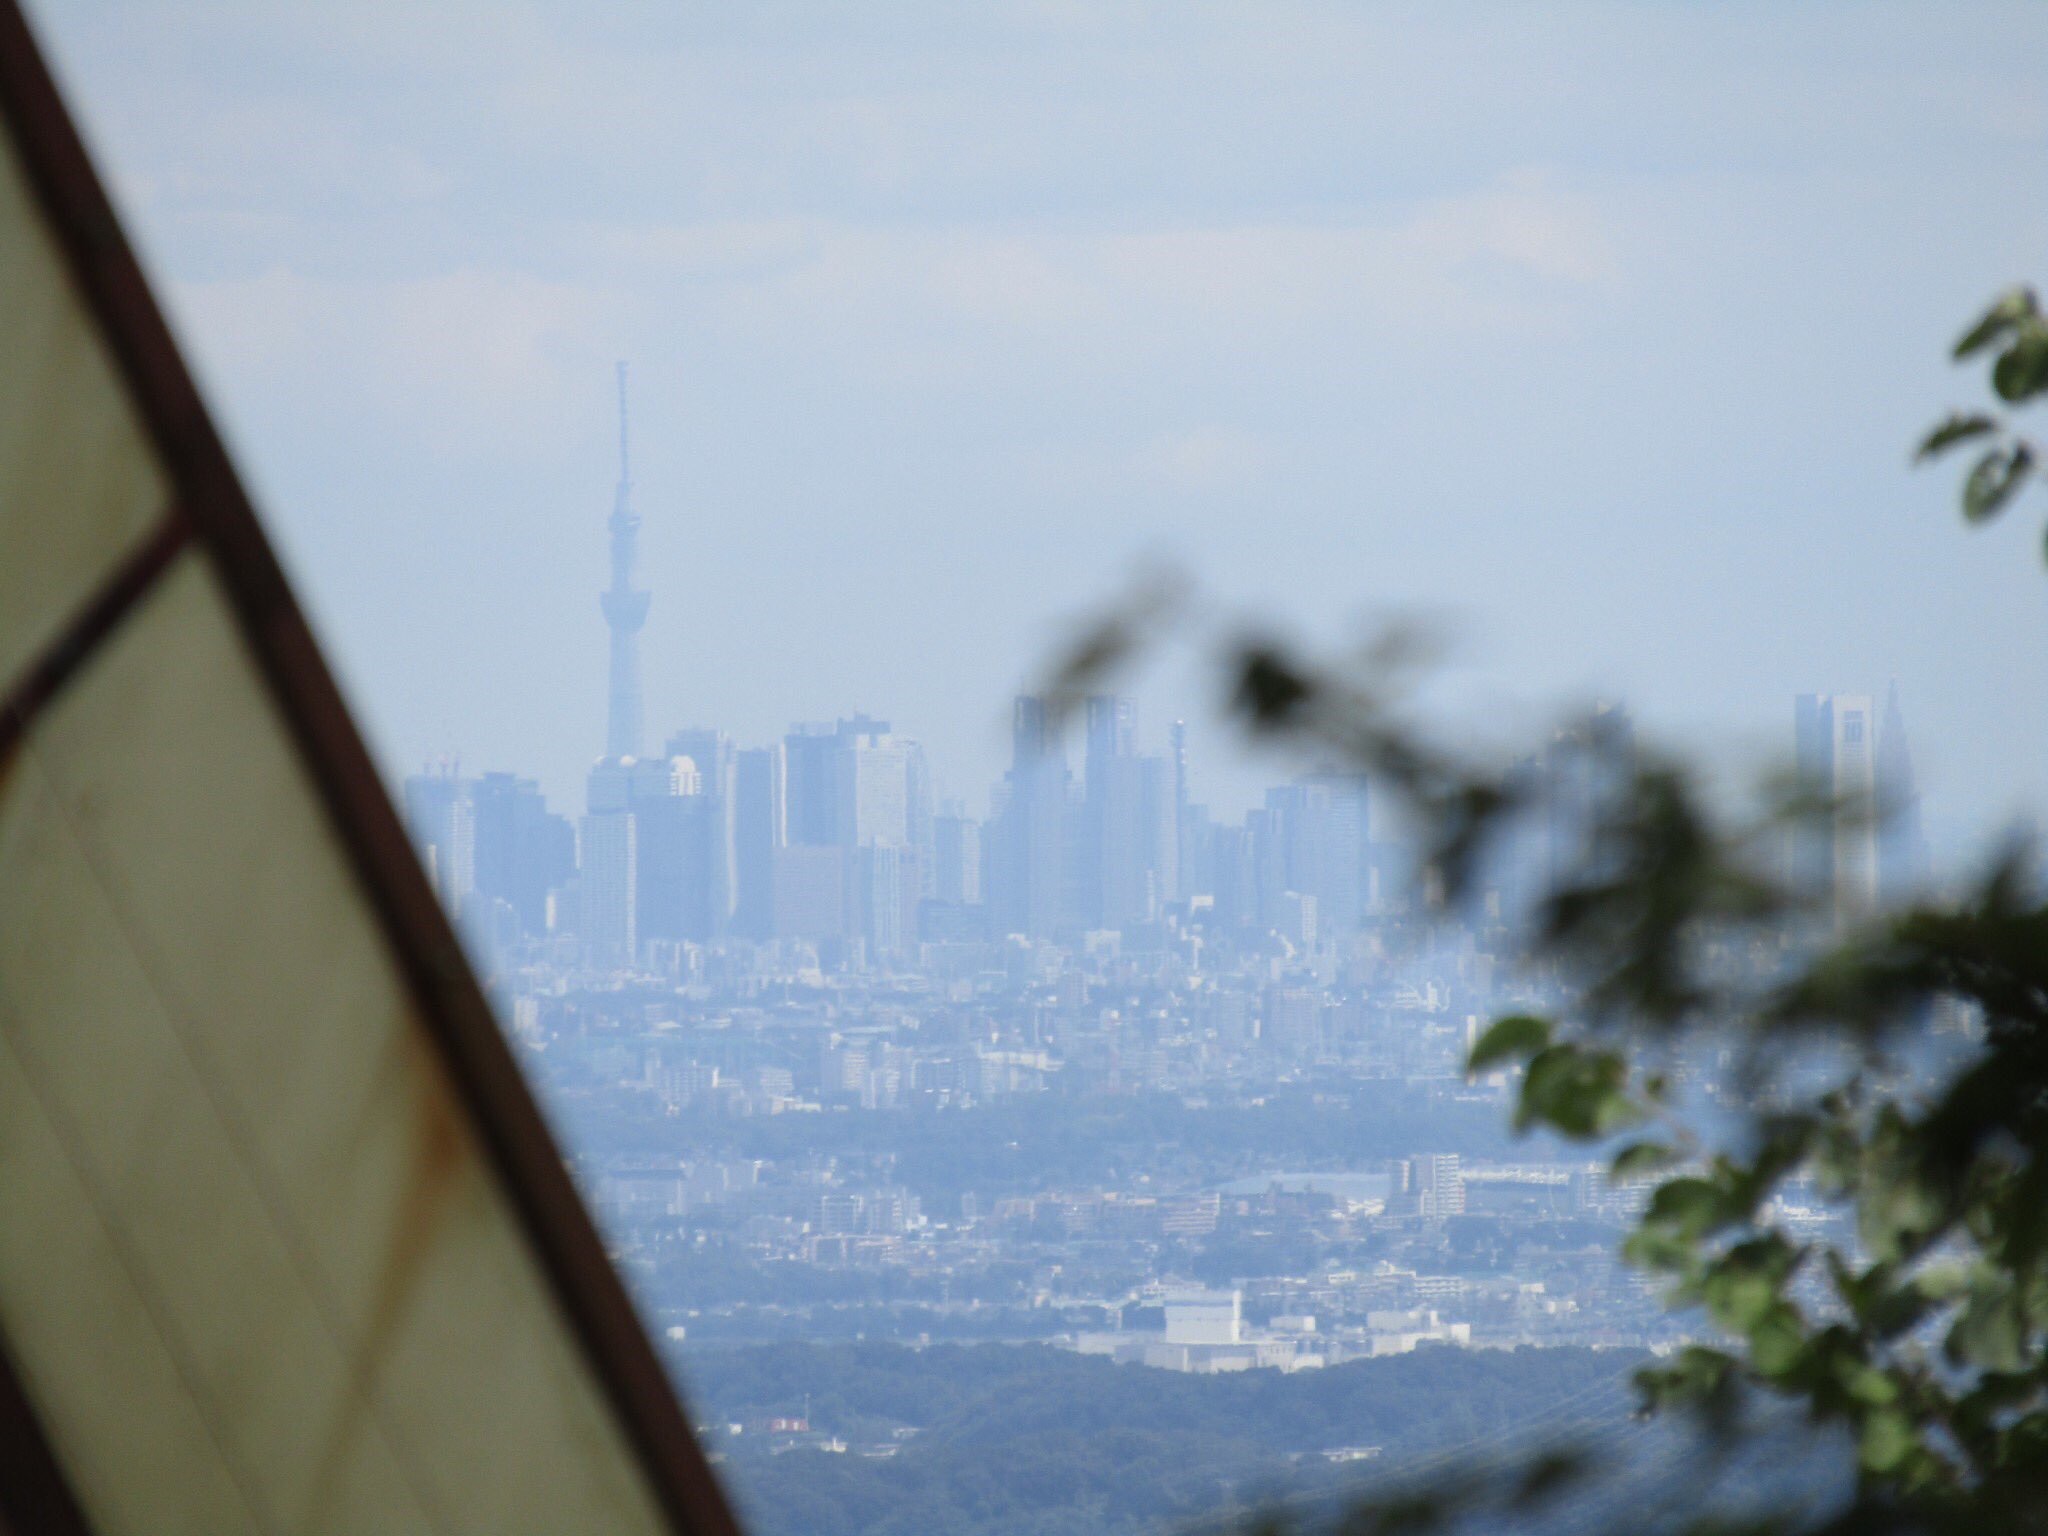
[(625, 609)]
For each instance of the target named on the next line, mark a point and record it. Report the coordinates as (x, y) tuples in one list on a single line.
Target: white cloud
[(467, 354), (1511, 258)]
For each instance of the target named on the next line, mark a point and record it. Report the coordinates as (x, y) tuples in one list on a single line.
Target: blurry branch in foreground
[(1922, 1337)]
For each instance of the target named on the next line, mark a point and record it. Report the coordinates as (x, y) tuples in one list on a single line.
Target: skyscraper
[(1901, 841), (1855, 748), (523, 851), (1114, 893), (856, 785), (1027, 887), (956, 862), (760, 832), (717, 762), (1812, 857), (625, 609), (441, 815), (1835, 854)]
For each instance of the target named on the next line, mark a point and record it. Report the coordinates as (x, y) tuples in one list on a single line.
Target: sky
[(1598, 334)]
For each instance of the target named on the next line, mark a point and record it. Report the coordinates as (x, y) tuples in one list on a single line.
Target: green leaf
[(2012, 309), (1690, 1207), (1696, 1376), (1741, 1288), (1869, 1385), (1993, 480), (1656, 1248), (1576, 1092), (1519, 1034), (1738, 1301), (2022, 370), (1777, 1342), (1888, 1438), (1957, 428), (1547, 1475), (1640, 1158), (1991, 1331)]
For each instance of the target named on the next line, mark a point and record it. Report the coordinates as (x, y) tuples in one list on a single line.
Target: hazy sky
[(1603, 330)]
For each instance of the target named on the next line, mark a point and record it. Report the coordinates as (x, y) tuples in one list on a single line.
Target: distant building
[(522, 852), (956, 858), (1866, 848), (440, 812), (857, 787), (616, 898), (760, 832), (1027, 890), (1204, 1317)]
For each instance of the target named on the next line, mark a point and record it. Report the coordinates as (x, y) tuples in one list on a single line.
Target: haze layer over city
[(700, 436), (941, 321)]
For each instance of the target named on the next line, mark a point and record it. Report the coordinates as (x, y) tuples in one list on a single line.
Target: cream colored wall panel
[(172, 762), (103, 1374), (471, 1329), (79, 483), (77, 996), (200, 825), (134, 1446), (196, 1235)]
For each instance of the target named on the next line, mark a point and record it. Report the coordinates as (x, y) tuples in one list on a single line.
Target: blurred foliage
[(2016, 332), (1894, 1069)]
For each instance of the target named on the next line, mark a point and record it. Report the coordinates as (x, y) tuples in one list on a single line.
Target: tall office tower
[(1231, 860), (1026, 864), (625, 610), (1902, 843), (1109, 857), (873, 778), (717, 761), (609, 856), (608, 888), (1836, 752), (1198, 853), (856, 785), (920, 820), (1182, 886), (1856, 887), (524, 851), (1265, 888), (1160, 822), (1584, 766), (887, 897), (679, 837), (1112, 728), (441, 815), (810, 754), (760, 829), (812, 899), (1326, 837), (956, 858), (1812, 852)]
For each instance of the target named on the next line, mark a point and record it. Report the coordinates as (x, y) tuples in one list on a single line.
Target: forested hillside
[(1032, 1441)]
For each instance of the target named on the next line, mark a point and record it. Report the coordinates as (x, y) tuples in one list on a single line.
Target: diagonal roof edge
[(222, 523)]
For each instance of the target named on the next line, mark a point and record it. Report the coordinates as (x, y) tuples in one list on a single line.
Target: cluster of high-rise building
[(1089, 1063), (831, 838)]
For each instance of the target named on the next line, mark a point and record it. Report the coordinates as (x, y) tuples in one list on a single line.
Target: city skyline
[(843, 1033), (835, 837), (1387, 315)]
